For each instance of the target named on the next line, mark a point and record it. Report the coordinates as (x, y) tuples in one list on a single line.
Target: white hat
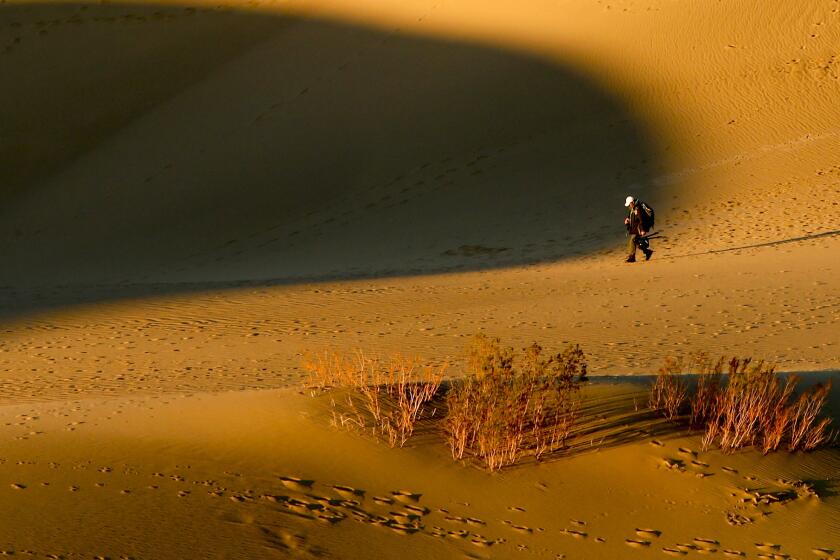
[(628, 201)]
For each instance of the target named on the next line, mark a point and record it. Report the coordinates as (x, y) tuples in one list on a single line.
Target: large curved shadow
[(153, 148)]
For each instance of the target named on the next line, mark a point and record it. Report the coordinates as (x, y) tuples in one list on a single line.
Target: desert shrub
[(486, 356), (509, 405), (806, 430), (755, 407), (749, 410), (703, 400), (669, 391), (388, 396), (327, 370)]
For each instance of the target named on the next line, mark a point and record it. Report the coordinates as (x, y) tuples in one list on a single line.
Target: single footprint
[(822, 552), (406, 496), (404, 517), (458, 534), (324, 501), (438, 532), (482, 542), (518, 528), (348, 492), (329, 517), (403, 528), (636, 543), (673, 551), (419, 510), (733, 553), (298, 484), (360, 515), (767, 547), (269, 497), (648, 533), (736, 519), (298, 506), (673, 464), (350, 504)]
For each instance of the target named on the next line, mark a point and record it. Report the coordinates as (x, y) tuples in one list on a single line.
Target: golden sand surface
[(782, 307), (195, 195), (261, 474), (396, 176)]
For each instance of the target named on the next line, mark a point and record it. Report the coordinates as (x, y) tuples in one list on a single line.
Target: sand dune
[(324, 141), (193, 196), (273, 480), (325, 147), (380, 153), (782, 309)]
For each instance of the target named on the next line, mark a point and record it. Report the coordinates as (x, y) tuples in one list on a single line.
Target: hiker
[(639, 222)]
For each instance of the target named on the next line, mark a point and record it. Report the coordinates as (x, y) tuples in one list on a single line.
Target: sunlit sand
[(196, 197)]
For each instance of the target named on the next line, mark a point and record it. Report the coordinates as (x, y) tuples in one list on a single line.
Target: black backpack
[(646, 215)]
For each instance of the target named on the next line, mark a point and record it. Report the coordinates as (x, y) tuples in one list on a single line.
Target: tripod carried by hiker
[(639, 223)]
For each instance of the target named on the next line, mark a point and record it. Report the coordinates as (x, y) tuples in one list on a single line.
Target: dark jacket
[(634, 226)]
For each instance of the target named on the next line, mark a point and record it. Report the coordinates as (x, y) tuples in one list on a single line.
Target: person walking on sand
[(639, 222)]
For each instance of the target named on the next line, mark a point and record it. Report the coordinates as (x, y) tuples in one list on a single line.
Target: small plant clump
[(510, 405), (389, 396), (507, 406), (669, 391), (755, 407)]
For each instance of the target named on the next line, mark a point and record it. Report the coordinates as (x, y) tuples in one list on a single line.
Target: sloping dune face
[(150, 148), (197, 199), (310, 139), (182, 143)]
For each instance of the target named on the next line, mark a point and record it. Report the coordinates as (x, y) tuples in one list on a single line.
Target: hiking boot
[(631, 258), (648, 253)]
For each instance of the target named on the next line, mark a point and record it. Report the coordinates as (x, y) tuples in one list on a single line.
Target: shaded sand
[(186, 216), (263, 475), (258, 141), (778, 304)]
